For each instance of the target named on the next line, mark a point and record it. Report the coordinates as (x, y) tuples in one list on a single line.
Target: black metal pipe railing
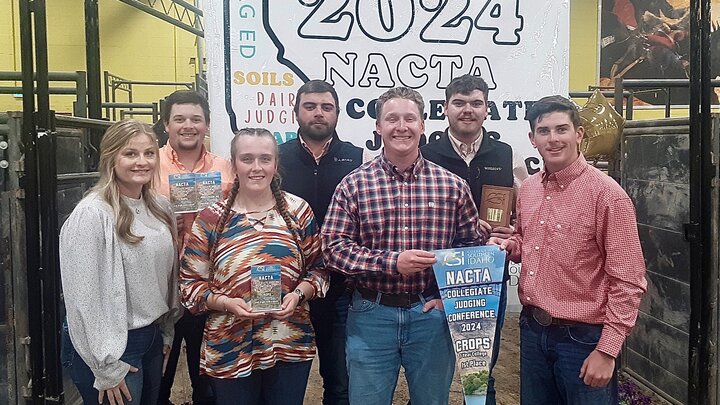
[(702, 381), (623, 86), (52, 90), (72, 178), (189, 85), (28, 183), (144, 7), (52, 76), (626, 96), (92, 55), (47, 187), (78, 77), (114, 83)]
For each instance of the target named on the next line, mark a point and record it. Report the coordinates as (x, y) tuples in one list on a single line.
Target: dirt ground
[(507, 375)]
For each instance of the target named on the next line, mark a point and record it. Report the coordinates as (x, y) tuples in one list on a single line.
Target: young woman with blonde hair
[(119, 278), (254, 357)]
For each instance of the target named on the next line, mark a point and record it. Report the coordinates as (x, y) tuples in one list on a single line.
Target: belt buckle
[(541, 316), (402, 300)]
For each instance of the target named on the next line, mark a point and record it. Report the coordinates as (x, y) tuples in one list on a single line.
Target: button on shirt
[(464, 150), (323, 152), (581, 256), (468, 151), (378, 212)]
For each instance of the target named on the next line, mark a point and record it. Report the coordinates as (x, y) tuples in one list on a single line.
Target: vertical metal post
[(200, 65), (29, 186), (92, 54), (94, 87), (619, 90), (703, 286), (81, 87), (106, 84), (47, 187)]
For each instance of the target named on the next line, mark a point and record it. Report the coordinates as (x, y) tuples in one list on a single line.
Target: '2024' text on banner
[(261, 51), (470, 282)]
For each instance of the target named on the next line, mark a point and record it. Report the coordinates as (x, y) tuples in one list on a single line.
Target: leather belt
[(400, 300), (543, 318)]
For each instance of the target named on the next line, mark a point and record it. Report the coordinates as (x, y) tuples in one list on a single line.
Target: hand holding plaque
[(266, 288), (495, 205)]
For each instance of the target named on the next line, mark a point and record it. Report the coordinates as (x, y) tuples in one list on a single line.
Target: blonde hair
[(115, 139)]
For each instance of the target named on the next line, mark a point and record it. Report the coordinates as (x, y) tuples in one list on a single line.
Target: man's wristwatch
[(300, 294)]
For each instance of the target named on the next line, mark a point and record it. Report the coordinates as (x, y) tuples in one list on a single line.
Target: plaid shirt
[(377, 212), (581, 256)]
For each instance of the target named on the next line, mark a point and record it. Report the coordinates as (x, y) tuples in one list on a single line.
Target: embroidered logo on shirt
[(492, 168), (346, 160)]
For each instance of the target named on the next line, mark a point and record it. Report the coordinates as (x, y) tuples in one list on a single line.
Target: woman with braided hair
[(254, 357)]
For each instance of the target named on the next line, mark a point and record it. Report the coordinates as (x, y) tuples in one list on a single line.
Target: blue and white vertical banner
[(259, 52), (470, 282)]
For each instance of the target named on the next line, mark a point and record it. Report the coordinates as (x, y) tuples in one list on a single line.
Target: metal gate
[(32, 306)]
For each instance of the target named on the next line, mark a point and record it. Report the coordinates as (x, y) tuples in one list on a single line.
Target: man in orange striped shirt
[(186, 115)]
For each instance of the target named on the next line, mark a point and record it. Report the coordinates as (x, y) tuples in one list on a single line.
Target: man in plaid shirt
[(382, 223)]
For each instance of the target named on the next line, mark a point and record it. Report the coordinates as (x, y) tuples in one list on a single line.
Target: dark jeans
[(329, 317), (143, 351), (190, 328), (502, 306), (550, 362), (282, 384)]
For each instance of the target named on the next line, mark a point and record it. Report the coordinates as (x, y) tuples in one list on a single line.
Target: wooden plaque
[(495, 205)]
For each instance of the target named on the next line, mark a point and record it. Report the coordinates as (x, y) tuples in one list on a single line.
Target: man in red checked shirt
[(383, 222), (583, 271)]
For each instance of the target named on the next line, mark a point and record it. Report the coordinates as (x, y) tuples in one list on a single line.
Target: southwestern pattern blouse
[(232, 346)]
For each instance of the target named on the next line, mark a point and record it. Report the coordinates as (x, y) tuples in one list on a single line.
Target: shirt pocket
[(571, 243), (435, 217)]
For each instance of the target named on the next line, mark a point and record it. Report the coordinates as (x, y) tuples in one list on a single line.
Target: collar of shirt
[(323, 152), (172, 157), (466, 151), (565, 176), (408, 175)]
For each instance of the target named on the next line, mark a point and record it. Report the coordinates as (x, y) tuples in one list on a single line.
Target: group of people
[(353, 237)]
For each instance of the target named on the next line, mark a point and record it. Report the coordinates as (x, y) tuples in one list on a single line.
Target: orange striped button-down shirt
[(581, 256), (208, 162)]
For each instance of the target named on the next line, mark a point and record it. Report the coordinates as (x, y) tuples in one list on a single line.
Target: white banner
[(261, 51)]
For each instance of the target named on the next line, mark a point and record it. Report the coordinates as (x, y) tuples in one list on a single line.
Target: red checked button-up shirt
[(377, 212), (581, 256)]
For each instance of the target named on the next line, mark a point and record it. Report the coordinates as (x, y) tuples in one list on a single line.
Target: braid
[(220, 226), (282, 206), (280, 201)]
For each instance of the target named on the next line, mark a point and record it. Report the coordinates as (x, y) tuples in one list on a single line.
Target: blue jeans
[(550, 362), (282, 384), (329, 319), (380, 339), (143, 351), (502, 306)]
